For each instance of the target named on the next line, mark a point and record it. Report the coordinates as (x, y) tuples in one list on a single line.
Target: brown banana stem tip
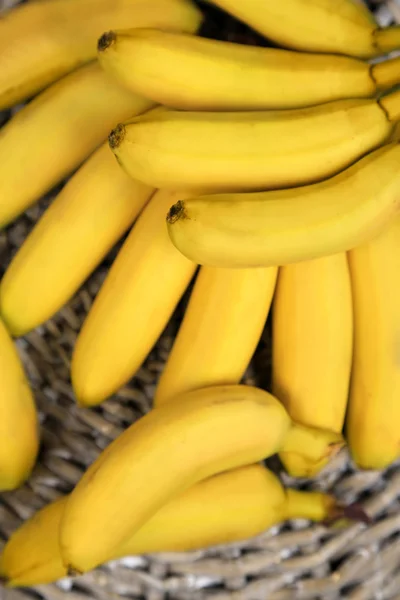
[(352, 512), (72, 572), (176, 212), (106, 40), (116, 136), (3, 580)]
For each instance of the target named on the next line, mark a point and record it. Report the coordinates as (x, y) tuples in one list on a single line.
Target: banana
[(287, 226), (87, 218), (374, 411), (170, 449), (194, 73), (132, 308), (312, 343), (43, 41), (334, 26), (19, 433), (225, 508), (220, 330), (244, 151), (53, 134)]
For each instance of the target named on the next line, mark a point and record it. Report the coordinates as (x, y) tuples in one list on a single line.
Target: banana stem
[(309, 449), (387, 39), (391, 105), (386, 74)]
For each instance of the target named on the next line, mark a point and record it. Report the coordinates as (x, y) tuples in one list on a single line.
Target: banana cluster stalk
[(225, 508), (193, 73), (41, 42)]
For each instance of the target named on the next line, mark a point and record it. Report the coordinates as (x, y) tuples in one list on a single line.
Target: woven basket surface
[(294, 561)]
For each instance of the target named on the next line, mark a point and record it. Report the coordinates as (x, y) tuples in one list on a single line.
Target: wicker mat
[(297, 560)]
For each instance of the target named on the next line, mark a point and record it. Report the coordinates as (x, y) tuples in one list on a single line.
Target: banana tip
[(73, 572), (176, 212), (4, 580), (116, 136), (352, 512), (106, 40)]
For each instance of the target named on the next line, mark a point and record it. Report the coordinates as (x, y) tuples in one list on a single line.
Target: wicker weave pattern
[(293, 561)]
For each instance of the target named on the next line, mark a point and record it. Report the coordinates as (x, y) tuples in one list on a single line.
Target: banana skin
[(229, 507), (287, 226), (334, 26), (187, 72), (211, 152), (221, 328), (93, 210), (169, 450), (40, 42), (56, 132), (372, 423)]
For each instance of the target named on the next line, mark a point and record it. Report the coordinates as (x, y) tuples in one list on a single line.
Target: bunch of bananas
[(276, 172)]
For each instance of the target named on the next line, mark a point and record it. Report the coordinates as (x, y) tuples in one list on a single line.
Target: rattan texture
[(294, 561)]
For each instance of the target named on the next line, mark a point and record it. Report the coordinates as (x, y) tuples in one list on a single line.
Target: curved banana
[(168, 450), (287, 226), (374, 411), (141, 291), (19, 430), (194, 73), (312, 343), (220, 331), (43, 41), (244, 151), (94, 209), (336, 26), (53, 134), (225, 508)]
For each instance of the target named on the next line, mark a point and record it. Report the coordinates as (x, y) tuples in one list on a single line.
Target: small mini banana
[(170, 449), (221, 328), (56, 132), (93, 210), (141, 291), (19, 431), (193, 73), (335, 26), (374, 410), (210, 152), (312, 343), (292, 225), (225, 508), (43, 41)]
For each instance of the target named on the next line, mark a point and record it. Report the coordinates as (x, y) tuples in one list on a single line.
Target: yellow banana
[(244, 151), (312, 344), (194, 73), (374, 409), (168, 450), (19, 434), (220, 330), (225, 508), (53, 134), (336, 26), (90, 214), (43, 41), (132, 308), (286, 226)]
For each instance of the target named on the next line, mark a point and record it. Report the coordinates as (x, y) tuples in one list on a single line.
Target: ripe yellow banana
[(132, 308), (286, 226), (336, 26), (244, 151), (225, 508), (220, 330), (374, 408), (42, 41), (19, 434), (53, 134), (90, 214), (312, 343), (170, 449), (194, 73)]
